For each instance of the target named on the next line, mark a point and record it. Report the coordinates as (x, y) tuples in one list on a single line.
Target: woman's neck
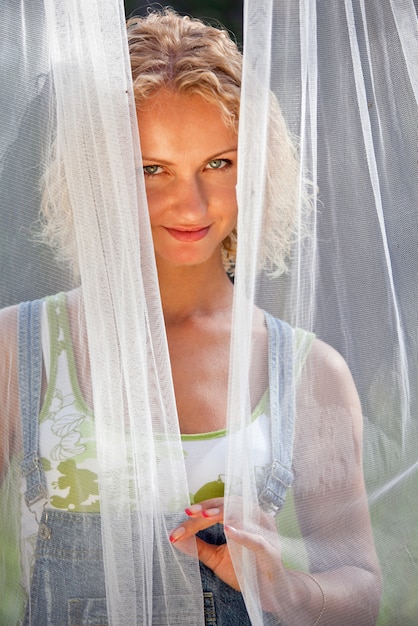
[(198, 290)]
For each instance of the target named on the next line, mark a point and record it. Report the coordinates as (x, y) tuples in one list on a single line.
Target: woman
[(187, 82)]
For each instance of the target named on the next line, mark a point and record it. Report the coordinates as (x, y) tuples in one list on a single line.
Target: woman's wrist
[(324, 597), (302, 601)]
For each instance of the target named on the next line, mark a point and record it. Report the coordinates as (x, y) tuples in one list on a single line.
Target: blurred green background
[(228, 12)]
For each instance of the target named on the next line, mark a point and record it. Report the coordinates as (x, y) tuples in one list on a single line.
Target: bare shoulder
[(330, 383), (8, 319), (8, 340), (325, 359), (9, 401), (328, 443)]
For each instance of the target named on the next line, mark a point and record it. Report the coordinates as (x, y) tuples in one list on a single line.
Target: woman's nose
[(190, 199)]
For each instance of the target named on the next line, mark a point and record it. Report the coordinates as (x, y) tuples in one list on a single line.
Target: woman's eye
[(217, 164), (151, 170)]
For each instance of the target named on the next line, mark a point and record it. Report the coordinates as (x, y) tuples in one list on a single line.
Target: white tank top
[(66, 430)]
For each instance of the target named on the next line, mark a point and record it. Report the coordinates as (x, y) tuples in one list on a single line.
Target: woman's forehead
[(172, 121)]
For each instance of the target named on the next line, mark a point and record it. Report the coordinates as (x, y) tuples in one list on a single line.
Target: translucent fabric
[(80, 58), (327, 183), (345, 75)]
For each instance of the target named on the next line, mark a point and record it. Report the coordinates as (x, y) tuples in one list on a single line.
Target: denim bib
[(68, 582)]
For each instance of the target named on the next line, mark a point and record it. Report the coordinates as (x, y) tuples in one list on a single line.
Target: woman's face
[(189, 158)]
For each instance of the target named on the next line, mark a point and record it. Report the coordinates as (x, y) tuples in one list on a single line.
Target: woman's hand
[(216, 557), (263, 542)]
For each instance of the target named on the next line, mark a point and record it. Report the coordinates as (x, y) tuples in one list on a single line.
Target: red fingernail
[(193, 509), (211, 512), (176, 534)]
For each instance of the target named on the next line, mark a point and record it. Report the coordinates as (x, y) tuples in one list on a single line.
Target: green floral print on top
[(67, 443)]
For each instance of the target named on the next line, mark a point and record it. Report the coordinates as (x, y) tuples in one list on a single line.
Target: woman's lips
[(188, 235)]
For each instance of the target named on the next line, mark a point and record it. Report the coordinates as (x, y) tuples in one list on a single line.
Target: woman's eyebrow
[(208, 158)]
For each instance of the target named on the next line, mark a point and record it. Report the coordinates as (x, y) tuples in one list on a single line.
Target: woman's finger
[(205, 507), (254, 541), (199, 521)]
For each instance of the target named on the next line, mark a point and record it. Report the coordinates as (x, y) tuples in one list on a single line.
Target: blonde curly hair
[(188, 56)]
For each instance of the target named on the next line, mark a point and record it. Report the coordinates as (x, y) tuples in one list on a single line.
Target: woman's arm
[(331, 506), (330, 495), (9, 400)]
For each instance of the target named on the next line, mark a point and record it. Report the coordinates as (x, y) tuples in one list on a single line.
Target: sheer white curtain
[(74, 56), (142, 481), (345, 77)]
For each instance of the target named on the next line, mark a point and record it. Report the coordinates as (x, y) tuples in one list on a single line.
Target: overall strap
[(30, 380), (282, 413)]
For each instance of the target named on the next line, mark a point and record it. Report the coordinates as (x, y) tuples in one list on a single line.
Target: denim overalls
[(68, 583)]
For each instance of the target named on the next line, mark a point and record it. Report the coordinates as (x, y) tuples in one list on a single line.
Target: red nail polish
[(193, 509), (211, 512)]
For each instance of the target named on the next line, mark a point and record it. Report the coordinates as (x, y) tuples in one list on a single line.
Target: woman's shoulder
[(9, 317), (8, 329), (324, 356), (329, 417), (331, 375), (9, 400), (329, 426)]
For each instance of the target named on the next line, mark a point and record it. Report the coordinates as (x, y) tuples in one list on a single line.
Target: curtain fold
[(327, 184)]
